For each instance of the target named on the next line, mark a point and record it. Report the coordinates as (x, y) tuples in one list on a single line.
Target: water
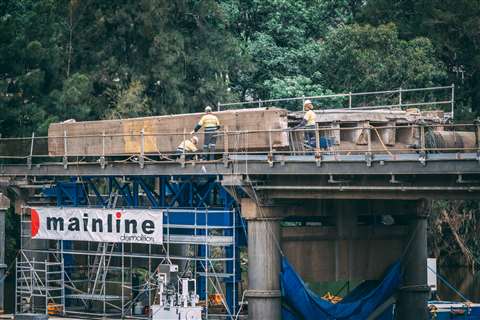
[(463, 280)]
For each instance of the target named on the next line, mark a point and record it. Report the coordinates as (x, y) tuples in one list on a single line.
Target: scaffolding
[(112, 280)]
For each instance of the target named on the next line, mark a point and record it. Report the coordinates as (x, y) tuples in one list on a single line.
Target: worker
[(210, 124), (308, 123), (188, 147)]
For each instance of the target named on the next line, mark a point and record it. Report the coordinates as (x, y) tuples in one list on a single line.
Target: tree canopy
[(95, 59)]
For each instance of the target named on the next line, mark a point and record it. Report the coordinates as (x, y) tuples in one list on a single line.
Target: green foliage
[(75, 99), (92, 59), (364, 58), (452, 27), (294, 87), (130, 102), (101, 59), (282, 39)]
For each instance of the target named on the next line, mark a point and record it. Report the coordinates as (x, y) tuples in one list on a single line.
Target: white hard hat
[(307, 102), (195, 139), (208, 109)]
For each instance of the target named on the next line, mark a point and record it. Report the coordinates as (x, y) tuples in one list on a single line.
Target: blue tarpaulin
[(301, 303)]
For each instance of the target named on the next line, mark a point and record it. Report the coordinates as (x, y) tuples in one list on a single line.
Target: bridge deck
[(262, 164)]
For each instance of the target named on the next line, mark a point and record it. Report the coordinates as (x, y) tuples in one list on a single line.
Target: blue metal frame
[(182, 192)]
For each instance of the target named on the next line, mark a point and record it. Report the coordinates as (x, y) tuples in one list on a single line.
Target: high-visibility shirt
[(188, 145), (310, 117), (209, 121)]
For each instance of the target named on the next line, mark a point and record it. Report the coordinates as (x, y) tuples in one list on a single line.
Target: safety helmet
[(208, 109), (195, 139), (307, 104)]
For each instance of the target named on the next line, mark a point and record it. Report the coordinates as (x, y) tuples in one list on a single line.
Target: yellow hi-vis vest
[(188, 145), (310, 117), (209, 121)]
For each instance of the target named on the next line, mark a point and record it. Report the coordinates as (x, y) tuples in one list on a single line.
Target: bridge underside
[(402, 177)]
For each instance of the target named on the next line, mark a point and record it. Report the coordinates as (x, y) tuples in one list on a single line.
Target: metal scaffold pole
[(4, 205)]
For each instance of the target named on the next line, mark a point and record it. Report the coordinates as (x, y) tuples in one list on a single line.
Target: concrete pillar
[(414, 293), (346, 223), (4, 205), (263, 270), (264, 262)]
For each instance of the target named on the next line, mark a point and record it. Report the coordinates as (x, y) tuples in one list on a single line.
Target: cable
[(449, 285), (241, 305)]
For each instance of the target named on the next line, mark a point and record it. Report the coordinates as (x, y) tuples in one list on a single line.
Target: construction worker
[(188, 146), (308, 123), (210, 124)]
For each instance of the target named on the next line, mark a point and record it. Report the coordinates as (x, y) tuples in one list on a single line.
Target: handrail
[(371, 146), (399, 91)]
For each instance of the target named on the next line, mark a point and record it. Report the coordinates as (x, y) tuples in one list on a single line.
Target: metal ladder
[(100, 266), (99, 269)]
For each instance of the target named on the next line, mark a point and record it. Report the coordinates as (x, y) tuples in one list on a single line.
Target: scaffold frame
[(197, 215)]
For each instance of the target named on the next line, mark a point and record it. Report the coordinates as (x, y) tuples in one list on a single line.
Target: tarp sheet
[(302, 303)]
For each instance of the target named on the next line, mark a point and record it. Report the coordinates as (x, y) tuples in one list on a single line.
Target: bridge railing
[(368, 140), (441, 97)]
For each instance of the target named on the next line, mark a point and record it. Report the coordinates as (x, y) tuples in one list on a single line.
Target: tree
[(356, 58), (69, 59), (129, 102), (452, 27), (282, 39)]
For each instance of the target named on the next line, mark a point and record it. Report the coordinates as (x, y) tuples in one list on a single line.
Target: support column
[(346, 223), (414, 293), (4, 205), (264, 261)]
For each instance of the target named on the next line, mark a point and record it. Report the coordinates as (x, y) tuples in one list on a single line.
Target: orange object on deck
[(215, 299), (54, 309)]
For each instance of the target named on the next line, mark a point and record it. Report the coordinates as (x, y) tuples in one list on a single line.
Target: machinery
[(176, 297)]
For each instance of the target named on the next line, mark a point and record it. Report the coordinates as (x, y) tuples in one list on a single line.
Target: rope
[(450, 286), (381, 141), (257, 201)]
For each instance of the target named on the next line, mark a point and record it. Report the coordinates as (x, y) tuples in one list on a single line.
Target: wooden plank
[(162, 134)]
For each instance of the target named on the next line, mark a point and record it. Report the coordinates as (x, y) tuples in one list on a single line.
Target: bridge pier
[(414, 294), (4, 205), (264, 259), (353, 248)]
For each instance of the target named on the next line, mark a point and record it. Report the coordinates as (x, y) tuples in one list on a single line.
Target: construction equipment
[(175, 300)]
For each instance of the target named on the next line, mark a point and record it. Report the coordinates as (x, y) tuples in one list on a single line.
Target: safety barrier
[(368, 140)]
